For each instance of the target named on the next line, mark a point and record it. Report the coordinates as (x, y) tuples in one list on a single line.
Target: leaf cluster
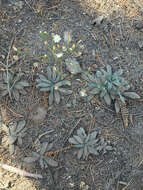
[(54, 83), (13, 85), (15, 133), (44, 161), (88, 143), (108, 85)]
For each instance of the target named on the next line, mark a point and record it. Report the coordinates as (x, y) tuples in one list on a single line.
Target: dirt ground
[(112, 33)]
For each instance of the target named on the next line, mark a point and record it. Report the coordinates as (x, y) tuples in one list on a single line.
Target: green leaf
[(43, 85), (20, 126), (18, 86), (49, 72), (131, 95), (22, 91), (11, 149), (51, 162), (73, 141), (19, 140), (16, 94), (51, 98), (102, 94), (73, 66), (109, 69), (11, 140), (117, 106), (54, 75), (63, 83), (99, 74), (107, 99), (85, 151), (80, 153), (65, 91), (90, 97), (81, 133), (109, 147), (4, 93), (95, 91), (30, 159), (45, 89), (23, 83), (93, 150), (42, 165), (57, 96), (93, 135), (43, 148), (78, 139), (122, 98)]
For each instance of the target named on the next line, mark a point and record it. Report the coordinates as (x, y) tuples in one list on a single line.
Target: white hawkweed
[(56, 38), (83, 93), (59, 55)]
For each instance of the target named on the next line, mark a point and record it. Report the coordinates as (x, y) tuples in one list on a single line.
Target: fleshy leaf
[(43, 148), (80, 153), (78, 139), (73, 66), (73, 141), (30, 159), (107, 99), (16, 94), (65, 91), (131, 95), (42, 85), (51, 162), (57, 96), (11, 149), (63, 83), (51, 98), (95, 91), (20, 126), (49, 72), (45, 89), (117, 106), (109, 70)]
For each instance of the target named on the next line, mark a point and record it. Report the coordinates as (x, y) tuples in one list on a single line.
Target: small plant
[(104, 146), (15, 133), (54, 83), (13, 85), (86, 143), (60, 49), (108, 85), (39, 156), (89, 144)]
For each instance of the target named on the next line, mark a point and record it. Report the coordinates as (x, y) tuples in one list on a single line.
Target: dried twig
[(7, 63), (19, 171)]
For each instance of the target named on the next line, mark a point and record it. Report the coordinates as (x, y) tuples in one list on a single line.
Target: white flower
[(83, 93), (56, 38), (59, 55)]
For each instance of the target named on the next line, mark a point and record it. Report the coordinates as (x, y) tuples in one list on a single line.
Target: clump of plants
[(59, 49), (54, 83), (109, 86), (43, 160), (88, 143), (15, 132), (13, 85)]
